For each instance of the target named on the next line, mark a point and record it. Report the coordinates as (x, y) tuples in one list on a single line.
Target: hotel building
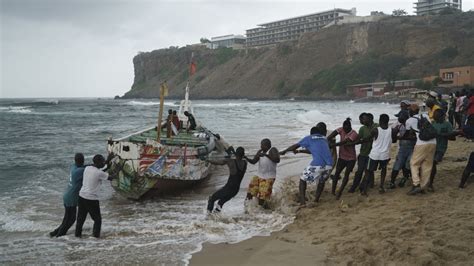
[(427, 7), (291, 28)]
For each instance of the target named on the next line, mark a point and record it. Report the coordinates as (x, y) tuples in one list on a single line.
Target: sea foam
[(16, 109)]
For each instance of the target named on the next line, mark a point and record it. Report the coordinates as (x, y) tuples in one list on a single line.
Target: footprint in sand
[(284, 239), (458, 248), (439, 242)]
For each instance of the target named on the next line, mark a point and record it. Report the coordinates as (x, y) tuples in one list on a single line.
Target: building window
[(448, 75)]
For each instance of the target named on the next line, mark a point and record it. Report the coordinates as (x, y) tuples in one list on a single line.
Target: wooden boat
[(150, 162)]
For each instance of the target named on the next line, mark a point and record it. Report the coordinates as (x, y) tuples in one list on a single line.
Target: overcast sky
[(84, 48)]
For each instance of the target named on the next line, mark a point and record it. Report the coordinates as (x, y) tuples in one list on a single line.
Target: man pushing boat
[(237, 169)]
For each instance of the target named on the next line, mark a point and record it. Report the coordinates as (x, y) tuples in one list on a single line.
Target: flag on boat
[(192, 66)]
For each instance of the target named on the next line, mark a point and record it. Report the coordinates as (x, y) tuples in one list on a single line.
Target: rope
[(216, 156)]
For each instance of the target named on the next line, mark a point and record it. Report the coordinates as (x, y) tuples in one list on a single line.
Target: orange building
[(457, 76)]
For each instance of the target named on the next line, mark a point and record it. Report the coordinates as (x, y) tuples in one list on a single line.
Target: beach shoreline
[(434, 228)]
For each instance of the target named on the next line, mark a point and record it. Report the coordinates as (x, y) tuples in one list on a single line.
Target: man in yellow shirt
[(432, 107)]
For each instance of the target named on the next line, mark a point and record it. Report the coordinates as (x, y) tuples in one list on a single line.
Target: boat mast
[(185, 104), (163, 92)]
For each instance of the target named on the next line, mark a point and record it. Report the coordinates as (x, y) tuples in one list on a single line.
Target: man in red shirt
[(347, 155), (176, 121)]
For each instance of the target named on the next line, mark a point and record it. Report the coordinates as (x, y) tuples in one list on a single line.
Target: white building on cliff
[(427, 7), (291, 28)]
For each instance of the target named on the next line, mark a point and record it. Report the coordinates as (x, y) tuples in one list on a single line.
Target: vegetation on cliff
[(319, 64)]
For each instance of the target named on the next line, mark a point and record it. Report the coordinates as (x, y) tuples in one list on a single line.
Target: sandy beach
[(392, 228)]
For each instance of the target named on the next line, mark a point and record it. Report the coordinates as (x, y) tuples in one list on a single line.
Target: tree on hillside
[(419, 84), (424, 85), (204, 40), (399, 12), (427, 86), (436, 81), (390, 68)]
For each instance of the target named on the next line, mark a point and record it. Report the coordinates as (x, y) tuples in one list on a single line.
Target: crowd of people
[(422, 144)]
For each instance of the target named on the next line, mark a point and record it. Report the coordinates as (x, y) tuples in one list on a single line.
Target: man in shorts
[(261, 185), (317, 145), (379, 154)]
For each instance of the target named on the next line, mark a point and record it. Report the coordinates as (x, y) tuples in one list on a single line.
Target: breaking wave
[(312, 117), (16, 109), (140, 103), (213, 105), (36, 103)]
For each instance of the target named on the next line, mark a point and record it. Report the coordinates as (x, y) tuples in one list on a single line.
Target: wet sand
[(391, 228)]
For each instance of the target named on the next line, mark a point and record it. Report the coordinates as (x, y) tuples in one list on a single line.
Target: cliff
[(318, 65)]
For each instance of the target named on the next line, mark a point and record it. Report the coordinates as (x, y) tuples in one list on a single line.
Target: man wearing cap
[(404, 105), (421, 162), (406, 144)]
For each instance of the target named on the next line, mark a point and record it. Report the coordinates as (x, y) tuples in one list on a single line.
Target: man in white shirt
[(379, 154), (88, 195), (261, 185), (421, 161)]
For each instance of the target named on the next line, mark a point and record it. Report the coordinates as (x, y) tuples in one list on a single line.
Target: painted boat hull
[(144, 166)]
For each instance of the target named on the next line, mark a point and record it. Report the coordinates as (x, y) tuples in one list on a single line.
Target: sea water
[(40, 136)]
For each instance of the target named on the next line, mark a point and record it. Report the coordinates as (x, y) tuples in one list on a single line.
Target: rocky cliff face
[(311, 66)]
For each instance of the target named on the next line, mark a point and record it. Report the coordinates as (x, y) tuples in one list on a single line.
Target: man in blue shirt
[(319, 169), (71, 196)]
